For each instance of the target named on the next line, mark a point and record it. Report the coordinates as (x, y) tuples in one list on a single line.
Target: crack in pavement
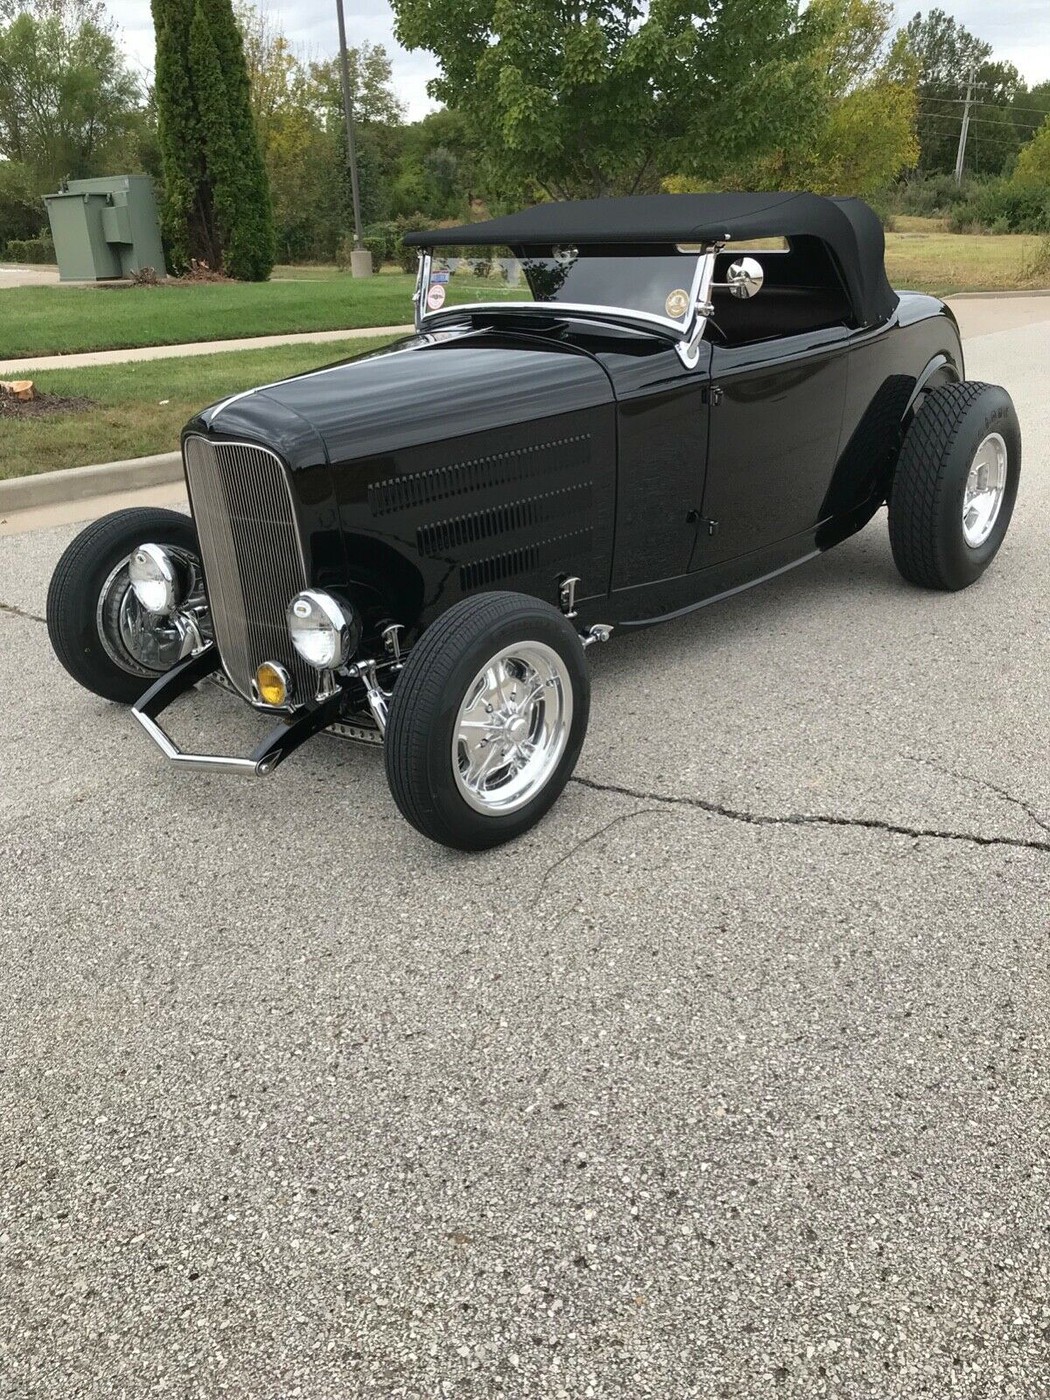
[(616, 821), (21, 612), (718, 809), (984, 783)]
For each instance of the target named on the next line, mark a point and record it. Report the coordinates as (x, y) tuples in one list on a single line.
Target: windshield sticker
[(440, 276), (677, 304), (436, 296)]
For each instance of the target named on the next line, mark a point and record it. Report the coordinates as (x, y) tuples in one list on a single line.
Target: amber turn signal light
[(272, 683)]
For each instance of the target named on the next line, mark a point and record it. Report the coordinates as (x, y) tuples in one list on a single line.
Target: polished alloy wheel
[(512, 728), (985, 488)]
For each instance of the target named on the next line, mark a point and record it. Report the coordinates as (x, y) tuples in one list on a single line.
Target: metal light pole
[(360, 257)]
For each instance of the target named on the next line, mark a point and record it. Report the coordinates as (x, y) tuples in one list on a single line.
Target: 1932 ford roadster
[(598, 425)]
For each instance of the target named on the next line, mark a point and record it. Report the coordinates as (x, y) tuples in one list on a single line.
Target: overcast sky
[(1019, 31)]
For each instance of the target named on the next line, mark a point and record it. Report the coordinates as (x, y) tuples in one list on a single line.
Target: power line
[(999, 106), (974, 121)]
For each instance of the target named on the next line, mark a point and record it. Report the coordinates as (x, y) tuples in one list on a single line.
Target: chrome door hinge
[(713, 394)]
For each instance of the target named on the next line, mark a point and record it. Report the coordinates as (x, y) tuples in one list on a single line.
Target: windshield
[(658, 284)]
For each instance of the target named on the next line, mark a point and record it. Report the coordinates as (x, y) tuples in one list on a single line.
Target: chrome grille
[(252, 555)]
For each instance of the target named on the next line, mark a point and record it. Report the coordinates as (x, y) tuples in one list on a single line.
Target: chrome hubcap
[(142, 642), (985, 489), (512, 728)]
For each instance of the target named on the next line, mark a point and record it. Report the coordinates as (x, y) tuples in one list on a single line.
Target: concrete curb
[(998, 296), (80, 483)]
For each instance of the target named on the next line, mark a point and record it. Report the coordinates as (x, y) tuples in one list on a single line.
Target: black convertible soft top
[(848, 227)]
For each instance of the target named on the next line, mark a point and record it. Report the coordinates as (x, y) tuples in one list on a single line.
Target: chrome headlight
[(323, 631), (155, 579)]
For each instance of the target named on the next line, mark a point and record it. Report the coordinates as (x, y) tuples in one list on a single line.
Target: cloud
[(1018, 30)]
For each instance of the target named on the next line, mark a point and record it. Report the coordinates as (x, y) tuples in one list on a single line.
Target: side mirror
[(743, 279)]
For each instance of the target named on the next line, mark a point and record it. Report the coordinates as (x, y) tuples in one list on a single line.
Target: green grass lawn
[(58, 320), (314, 272), (142, 407)]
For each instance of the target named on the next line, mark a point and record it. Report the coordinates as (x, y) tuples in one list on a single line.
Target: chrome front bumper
[(264, 758)]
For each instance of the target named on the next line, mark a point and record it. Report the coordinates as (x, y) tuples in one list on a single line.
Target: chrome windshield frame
[(703, 309), (686, 333)]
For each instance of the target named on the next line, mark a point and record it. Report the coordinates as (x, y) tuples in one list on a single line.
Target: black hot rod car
[(597, 425)]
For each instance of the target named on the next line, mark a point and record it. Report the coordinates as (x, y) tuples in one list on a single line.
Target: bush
[(406, 256), (377, 247), (1038, 268), (30, 250), (976, 206), (377, 244), (21, 208), (385, 238), (930, 196), (1000, 206)]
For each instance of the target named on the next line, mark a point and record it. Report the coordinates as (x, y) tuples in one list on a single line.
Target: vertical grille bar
[(252, 555)]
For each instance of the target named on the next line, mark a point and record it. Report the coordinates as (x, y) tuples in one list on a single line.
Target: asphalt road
[(730, 1080)]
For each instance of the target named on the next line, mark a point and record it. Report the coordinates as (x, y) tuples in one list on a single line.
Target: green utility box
[(105, 228)]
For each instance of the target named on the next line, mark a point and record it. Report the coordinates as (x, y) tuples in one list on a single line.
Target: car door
[(775, 423), (662, 412)]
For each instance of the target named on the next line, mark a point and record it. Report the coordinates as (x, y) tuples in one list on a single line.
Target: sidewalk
[(19, 275), (197, 347)]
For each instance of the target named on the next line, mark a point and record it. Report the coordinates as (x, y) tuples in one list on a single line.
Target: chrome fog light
[(155, 579), (323, 630)]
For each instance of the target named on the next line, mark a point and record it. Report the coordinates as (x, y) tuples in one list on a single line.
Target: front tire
[(487, 720), (97, 632), (955, 485)]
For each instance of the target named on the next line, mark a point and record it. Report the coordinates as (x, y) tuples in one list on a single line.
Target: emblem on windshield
[(436, 296), (677, 304)]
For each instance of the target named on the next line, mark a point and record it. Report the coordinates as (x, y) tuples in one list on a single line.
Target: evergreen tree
[(217, 195)]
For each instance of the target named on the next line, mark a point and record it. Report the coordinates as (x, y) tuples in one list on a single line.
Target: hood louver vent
[(482, 573), (447, 536), (479, 474)]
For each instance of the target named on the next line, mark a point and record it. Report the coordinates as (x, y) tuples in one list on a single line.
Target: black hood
[(421, 390)]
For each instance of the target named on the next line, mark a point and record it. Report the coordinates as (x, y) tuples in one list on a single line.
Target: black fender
[(942, 369)]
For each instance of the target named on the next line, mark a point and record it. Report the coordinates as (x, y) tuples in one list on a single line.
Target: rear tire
[(87, 589), (487, 720), (944, 528)]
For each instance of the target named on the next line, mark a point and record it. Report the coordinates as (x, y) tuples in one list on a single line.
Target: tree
[(21, 211), (945, 50), (378, 115), (71, 13), (866, 136), (948, 55), (1029, 109), (68, 104), (437, 170), (298, 112), (573, 101), (217, 196), (1033, 163)]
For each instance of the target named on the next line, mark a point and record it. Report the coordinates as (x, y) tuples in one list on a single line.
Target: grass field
[(58, 320), (143, 406), (922, 256)]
